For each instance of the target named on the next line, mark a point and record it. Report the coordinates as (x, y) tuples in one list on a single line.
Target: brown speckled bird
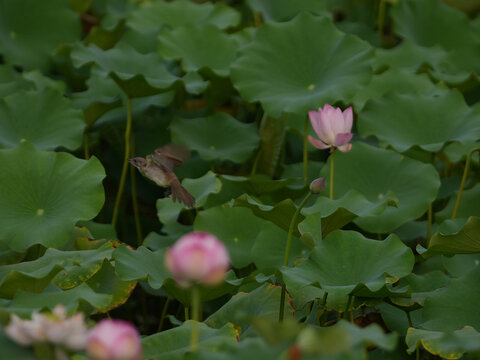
[(159, 167)]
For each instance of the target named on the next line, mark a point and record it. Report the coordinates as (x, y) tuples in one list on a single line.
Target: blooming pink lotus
[(198, 257), (114, 340), (333, 127)]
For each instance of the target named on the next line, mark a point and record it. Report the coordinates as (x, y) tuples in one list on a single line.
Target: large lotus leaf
[(173, 344), (460, 264), (242, 308), (290, 68), (256, 184), (137, 74), (152, 16), (375, 173), (11, 81), (454, 306), (400, 80), (107, 281), (406, 120), (335, 214), (345, 261), (201, 189), (454, 240), (80, 298), (43, 195), (430, 23), (199, 48), (421, 286), (468, 205), (31, 30), (141, 264), (101, 96), (248, 238), (67, 269), (217, 137), (447, 345), (45, 119), (282, 10)]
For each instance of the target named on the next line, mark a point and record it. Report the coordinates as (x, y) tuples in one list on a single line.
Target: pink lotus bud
[(333, 127), (317, 185), (114, 340), (198, 257)]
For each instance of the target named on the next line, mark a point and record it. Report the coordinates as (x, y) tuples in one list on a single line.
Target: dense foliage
[(382, 264)]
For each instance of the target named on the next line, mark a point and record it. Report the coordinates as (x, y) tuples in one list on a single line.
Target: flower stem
[(164, 313), (332, 166), (462, 184), (287, 252), (429, 223), (196, 310), (136, 212), (305, 153), (86, 143), (128, 130)]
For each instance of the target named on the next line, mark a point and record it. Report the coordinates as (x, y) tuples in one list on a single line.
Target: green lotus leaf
[(334, 214), (43, 195), (80, 298), (345, 261), (11, 81), (262, 302), (283, 10), (66, 269), (289, 68), (141, 264), (208, 137), (460, 264), (454, 306), (458, 240), (152, 16), (421, 287), (201, 189), (375, 173), (46, 119), (400, 80), (447, 345), (173, 344), (459, 151), (32, 30), (106, 281), (42, 82), (468, 205), (199, 48), (430, 23), (138, 75), (406, 120)]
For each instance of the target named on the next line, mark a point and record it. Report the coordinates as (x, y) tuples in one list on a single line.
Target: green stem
[(324, 317), (86, 143), (332, 166), (381, 19), (187, 315), (136, 212), (287, 251), (464, 178), (196, 315), (128, 130), (305, 153), (349, 303), (164, 313)]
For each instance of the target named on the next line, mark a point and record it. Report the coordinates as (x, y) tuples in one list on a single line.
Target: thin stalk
[(196, 315), (462, 185), (287, 251), (305, 153), (349, 303), (136, 212), (187, 315), (332, 167), (128, 130), (164, 313), (323, 319), (381, 19)]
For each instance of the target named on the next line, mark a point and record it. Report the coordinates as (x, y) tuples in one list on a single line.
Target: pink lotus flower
[(333, 127), (197, 257), (114, 340)]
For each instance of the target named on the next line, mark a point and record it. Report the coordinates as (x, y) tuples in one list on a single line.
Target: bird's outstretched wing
[(170, 156), (179, 193)]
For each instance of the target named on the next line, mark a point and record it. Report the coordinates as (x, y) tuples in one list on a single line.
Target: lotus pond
[(325, 165)]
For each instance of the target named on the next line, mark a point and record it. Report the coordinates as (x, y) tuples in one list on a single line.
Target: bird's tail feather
[(179, 193)]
